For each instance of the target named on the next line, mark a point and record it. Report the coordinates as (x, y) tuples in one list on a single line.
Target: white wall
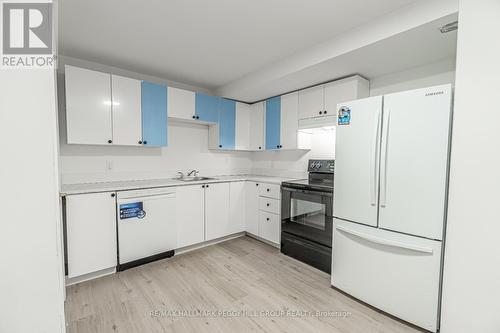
[(471, 287), (31, 277), (187, 149), (433, 74)]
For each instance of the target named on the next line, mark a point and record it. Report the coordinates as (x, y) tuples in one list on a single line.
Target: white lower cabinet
[(252, 208), (263, 216), (90, 232), (269, 226), (190, 210), (237, 207), (217, 223)]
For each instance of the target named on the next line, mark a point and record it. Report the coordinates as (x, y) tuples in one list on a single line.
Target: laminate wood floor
[(241, 285)]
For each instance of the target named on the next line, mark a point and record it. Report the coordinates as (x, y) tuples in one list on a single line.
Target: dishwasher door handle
[(148, 197)]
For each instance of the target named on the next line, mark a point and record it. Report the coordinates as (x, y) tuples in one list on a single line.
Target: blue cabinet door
[(227, 124), (207, 107), (273, 122), (154, 114)]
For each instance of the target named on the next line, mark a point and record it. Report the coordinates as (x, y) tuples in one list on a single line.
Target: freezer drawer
[(396, 273)]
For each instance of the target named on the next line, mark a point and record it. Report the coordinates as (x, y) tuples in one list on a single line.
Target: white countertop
[(69, 189)]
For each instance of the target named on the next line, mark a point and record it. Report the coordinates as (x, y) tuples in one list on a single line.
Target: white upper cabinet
[(345, 90), (126, 110), (322, 100), (242, 130), (88, 106), (311, 102), (257, 126), (289, 120), (181, 103)]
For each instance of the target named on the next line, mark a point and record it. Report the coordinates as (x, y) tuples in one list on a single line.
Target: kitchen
[(311, 187)]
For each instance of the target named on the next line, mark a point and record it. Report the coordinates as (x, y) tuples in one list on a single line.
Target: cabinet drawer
[(269, 205), (269, 227), (269, 190)]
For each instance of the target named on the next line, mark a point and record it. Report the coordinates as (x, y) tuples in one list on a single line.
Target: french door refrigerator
[(390, 195)]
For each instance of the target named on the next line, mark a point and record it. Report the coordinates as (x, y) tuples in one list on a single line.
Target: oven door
[(307, 214)]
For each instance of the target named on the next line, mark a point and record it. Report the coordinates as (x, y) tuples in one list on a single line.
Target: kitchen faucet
[(192, 171)]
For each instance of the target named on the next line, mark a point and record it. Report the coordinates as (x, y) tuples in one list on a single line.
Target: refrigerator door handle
[(385, 242), (383, 174), (374, 164)]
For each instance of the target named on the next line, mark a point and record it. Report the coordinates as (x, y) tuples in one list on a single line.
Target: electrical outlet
[(109, 165)]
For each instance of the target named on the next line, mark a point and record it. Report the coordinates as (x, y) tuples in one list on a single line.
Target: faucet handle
[(180, 174)]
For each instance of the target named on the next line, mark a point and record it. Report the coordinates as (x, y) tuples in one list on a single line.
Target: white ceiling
[(205, 43)]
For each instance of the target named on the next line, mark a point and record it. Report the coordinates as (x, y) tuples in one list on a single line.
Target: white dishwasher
[(146, 226)]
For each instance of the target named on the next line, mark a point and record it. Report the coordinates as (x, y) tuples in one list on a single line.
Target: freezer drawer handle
[(385, 242)]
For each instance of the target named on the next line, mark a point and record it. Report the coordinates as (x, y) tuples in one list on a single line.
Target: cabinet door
[(180, 103), (217, 211), (190, 215), (311, 102), (257, 126), (252, 208), (88, 106), (207, 107), (126, 110), (289, 120), (269, 227), (91, 232), (273, 122), (154, 114), (237, 207), (227, 124), (242, 141), (344, 91)]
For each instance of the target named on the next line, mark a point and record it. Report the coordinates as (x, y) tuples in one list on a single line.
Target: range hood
[(317, 122)]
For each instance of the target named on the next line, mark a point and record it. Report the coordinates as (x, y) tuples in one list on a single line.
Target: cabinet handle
[(113, 195), (268, 190), (194, 117), (220, 146), (140, 142), (145, 142), (203, 186), (206, 185), (320, 112), (197, 117), (267, 204), (324, 112), (267, 218), (257, 184), (110, 141), (260, 147)]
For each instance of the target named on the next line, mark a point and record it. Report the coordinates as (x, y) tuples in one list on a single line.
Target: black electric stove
[(306, 216)]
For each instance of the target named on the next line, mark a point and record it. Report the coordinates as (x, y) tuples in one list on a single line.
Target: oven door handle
[(322, 193)]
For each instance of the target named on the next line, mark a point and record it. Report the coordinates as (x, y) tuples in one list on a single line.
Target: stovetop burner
[(321, 174)]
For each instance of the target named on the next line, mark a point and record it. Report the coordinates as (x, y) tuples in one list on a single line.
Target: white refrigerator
[(390, 194)]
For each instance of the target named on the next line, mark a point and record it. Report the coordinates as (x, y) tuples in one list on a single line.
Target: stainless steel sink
[(193, 179)]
